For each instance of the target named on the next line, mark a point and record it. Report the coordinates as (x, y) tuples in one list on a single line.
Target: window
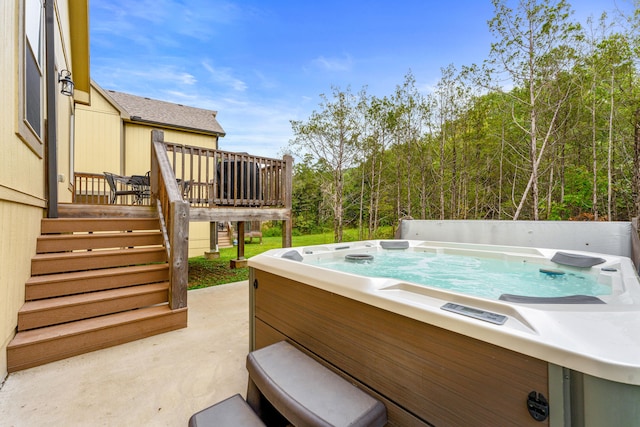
[(31, 93)]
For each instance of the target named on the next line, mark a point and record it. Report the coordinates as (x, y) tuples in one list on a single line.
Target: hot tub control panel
[(487, 316)]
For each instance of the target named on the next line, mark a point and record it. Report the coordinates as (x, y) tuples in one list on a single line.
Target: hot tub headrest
[(575, 260), (394, 244), (292, 255), (569, 299)]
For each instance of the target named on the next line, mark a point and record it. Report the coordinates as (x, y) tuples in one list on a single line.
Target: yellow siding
[(198, 238), (22, 172), (137, 150), (97, 136), (186, 138), (20, 169), (19, 228), (138, 145), (138, 162), (64, 107), (21, 190)]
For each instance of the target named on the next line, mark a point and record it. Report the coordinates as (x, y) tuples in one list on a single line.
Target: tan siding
[(138, 145), (194, 139), (64, 106), (97, 138), (19, 229), (22, 172), (99, 131), (137, 149), (138, 162), (198, 238), (64, 150), (20, 169), (21, 190)]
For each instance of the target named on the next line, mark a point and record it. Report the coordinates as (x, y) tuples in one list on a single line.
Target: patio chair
[(141, 185), (255, 230), (116, 183), (185, 187)]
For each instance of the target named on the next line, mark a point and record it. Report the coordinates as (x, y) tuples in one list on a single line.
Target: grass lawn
[(204, 273)]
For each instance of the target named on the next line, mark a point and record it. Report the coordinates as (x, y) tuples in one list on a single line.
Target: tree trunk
[(442, 140), (610, 154), (500, 180), (636, 163), (594, 153)]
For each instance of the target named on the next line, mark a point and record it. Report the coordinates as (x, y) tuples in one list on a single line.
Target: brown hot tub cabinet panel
[(432, 374)]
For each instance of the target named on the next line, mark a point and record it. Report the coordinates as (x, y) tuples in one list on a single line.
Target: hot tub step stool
[(288, 387), (305, 392), (231, 412)]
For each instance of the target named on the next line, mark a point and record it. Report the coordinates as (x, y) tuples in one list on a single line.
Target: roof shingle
[(161, 112)]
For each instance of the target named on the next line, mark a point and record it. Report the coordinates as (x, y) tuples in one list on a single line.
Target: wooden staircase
[(96, 283), (224, 241)]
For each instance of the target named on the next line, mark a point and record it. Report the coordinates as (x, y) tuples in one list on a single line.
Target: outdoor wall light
[(67, 84)]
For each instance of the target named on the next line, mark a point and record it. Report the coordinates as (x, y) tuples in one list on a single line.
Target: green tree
[(331, 136), (533, 47), (307, 199)]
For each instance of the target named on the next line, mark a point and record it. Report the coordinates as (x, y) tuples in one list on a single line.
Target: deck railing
[(91, 188), (174, 219), (223, 178), (217, 184), (206, 178)]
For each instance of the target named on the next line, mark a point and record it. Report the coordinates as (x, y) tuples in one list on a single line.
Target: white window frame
[(31, 133)]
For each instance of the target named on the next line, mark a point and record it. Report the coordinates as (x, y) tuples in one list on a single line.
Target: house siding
[(21, 190), (198, 238), (98, 133), (22, 170), (19, 229), (138, 145), (107, 142)]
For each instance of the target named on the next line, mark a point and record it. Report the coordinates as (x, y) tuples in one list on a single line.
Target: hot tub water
[(482, 277)]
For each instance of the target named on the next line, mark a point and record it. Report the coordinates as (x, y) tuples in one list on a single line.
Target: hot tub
[(443, 357)]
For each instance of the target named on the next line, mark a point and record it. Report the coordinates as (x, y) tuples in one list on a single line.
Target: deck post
[(179, 262), (214, 250), (240, 261), (287, 225)]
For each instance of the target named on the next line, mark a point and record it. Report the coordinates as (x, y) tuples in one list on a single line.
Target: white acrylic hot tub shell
[(600, 340)]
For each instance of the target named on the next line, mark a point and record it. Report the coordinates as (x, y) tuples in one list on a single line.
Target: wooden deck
[(105, 274), (96, 282), (219, 186)]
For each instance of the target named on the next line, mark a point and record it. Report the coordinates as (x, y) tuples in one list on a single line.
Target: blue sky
[(263, 63)]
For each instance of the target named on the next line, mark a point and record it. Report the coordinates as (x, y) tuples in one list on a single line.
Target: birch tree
[(533, 47), (331, 136)]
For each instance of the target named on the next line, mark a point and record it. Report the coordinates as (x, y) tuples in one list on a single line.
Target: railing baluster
[(218, 178)]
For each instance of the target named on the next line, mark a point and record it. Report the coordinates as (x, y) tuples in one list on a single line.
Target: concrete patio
[(157, 381)]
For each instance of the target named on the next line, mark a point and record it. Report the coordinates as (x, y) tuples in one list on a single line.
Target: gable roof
[(153, 111)]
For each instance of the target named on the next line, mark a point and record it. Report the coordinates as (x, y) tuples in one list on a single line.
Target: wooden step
[(224, 241), (79, 210), (76, 261), (72, 242), (55, 285), (53, 311), (77, 225), (40, 346)]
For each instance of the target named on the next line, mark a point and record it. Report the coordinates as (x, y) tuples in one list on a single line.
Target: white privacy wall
[(612, 238)]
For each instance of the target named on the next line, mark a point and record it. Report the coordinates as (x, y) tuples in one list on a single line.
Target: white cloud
[(253, 126), (334, 64), (128, 75), (225, 76), (266, 82), (197, 18)]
